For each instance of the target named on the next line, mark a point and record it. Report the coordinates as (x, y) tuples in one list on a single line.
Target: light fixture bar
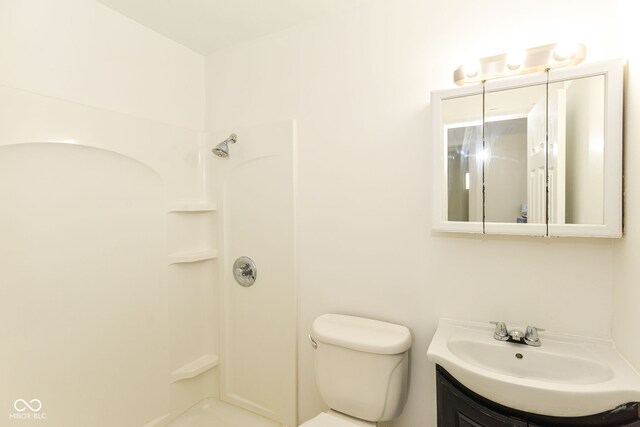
[(528, 61)]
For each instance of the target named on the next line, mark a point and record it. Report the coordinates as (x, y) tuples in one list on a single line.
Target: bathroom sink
[(527, 362), (565, 376)]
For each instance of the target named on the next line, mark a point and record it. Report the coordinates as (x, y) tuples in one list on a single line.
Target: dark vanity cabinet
[(460, 407)]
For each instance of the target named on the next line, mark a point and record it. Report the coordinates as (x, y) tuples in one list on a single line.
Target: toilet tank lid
[(358, 333)]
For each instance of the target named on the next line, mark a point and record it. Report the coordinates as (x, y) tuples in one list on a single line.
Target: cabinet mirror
[(539, 155)]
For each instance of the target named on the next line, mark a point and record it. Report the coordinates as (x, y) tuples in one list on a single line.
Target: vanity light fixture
[(528, 61)]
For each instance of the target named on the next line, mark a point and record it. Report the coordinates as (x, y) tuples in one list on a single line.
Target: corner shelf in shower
[(195, 367), (186, 207), (195, 256)]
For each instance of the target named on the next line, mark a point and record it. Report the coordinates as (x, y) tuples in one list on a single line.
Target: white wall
[(626, 316), (83, 51), (359, 87)]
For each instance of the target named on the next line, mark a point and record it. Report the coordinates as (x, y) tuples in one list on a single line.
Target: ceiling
[(208, 25)]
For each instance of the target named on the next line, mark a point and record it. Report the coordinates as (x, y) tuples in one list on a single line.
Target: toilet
[(362, 369)]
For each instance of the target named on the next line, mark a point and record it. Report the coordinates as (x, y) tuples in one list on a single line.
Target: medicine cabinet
[(538, 155)]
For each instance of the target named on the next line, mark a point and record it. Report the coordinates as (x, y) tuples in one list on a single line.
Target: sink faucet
[(530, 337)]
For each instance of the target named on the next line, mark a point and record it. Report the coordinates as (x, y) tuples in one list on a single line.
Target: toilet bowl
[(362, 368)]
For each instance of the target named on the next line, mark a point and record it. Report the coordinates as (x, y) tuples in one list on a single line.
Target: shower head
[(222, 149)]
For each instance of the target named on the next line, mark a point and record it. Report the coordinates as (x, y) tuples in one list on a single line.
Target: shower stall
[(118, 303)]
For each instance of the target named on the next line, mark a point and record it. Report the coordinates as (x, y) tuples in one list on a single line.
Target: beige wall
[(359, 87), (82, 51)]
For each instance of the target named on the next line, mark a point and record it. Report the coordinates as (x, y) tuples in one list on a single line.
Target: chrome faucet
[(500, 333), (530, 337)]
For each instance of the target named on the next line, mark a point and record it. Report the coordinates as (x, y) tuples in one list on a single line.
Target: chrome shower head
[(222, 149)]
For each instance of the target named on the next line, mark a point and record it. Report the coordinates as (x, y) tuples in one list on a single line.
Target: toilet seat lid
[(332, 420)]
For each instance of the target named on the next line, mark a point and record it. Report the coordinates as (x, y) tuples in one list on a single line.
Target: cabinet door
[(578, 423), (457, 410)]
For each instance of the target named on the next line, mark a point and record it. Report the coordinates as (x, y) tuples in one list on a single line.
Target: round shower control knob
[(245, 271)]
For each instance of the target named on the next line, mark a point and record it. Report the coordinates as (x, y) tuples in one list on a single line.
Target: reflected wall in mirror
[(505, 177), (539, 155), (576, 150)]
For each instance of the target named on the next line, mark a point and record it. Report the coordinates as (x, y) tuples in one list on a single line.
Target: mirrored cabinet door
[(515, 159), (460, 163), (576, 151), (585, 150)]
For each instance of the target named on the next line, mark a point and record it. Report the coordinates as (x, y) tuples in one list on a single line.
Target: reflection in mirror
[(505, 171), (576, 151), (464, 173), (462, 121), (514, 170)]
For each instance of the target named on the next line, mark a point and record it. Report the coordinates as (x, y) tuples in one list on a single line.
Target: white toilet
[(362, 369)]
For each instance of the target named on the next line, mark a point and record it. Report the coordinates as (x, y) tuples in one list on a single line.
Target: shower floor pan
[(214, 413)]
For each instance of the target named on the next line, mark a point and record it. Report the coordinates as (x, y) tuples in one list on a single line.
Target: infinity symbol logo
[(21, 405)]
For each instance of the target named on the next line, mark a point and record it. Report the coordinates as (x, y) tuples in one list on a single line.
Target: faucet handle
[(500, 332), (531, 336)]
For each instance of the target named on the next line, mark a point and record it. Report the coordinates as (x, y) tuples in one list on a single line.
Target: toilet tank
[(362, 365)]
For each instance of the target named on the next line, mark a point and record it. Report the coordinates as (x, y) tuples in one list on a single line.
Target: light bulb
[(515, 59), (564, 50), (471, 69)]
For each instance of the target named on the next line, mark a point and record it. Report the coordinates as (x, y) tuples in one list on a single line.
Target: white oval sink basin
[(532, 363), (565, 376)]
